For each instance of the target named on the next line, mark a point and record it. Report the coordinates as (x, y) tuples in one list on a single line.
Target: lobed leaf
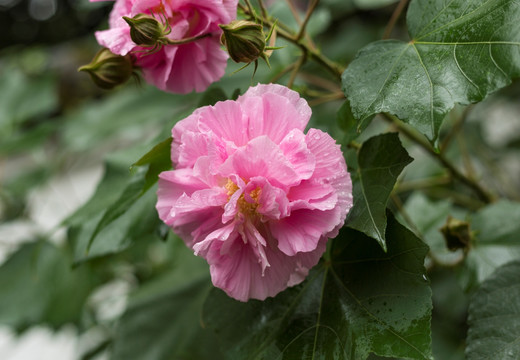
[(362, 301), (460, 52)]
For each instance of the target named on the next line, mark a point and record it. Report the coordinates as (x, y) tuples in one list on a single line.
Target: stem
[(187, 40), (393, 20), (294, 12), (296, 69), (419, 140), (310, 10), (262, 8), (335, 69)]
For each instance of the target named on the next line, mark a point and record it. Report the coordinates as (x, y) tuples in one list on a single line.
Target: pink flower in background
[(175, 68), (252, 194)]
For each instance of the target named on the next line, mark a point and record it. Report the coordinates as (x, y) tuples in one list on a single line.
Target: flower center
[(244, 206)]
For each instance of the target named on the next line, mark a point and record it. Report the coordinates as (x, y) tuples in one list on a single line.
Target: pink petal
[(117, 40), (302, 231), (261, 157), (297, 103), (271, 114), (295, 150)]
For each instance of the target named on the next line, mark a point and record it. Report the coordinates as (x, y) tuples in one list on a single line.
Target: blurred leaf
[(162, 320), (212, 96), (427, 218), (461, 51), (131, 113), (158, 160), (380, 161), (496, 229), (364, 300), (373, 4), (38, 286), (23, 97), (494, 316), (120, 212)]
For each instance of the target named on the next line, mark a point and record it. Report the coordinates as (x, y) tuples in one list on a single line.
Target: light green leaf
[(158, 159), (496, 242), (38, 286), (363, 300), (460, 52), (494, 317), (380, 161), (162, 320)]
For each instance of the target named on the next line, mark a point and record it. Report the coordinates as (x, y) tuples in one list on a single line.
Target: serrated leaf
[(460, 52), (364, 300), (38, 286), (494, 317), (162, 320), (380, 161)]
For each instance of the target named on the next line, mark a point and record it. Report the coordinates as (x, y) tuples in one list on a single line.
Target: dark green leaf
[(38, 286), (162, 321), (347, 122), (494, 317), (460, 52), (380, 161), (364, 300), (372, 4), (212, 96)]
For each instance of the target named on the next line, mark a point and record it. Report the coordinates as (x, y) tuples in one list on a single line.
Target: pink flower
[(252, 194), (175, 68)]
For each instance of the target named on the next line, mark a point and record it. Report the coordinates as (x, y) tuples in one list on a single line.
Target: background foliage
[(391, 285)]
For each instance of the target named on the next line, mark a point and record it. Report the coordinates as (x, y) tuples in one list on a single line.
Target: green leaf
[(162, 320), (496, 242), (38, 286), (494, 316), (158, 160), (212, 96), (427, 218), (380, 161), (347, 123), (460, 52), (363, 300), (373, 4)]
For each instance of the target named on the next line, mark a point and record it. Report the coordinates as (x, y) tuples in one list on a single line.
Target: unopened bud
[(245, 40), (108, 70), (145, 30), (457, 234)]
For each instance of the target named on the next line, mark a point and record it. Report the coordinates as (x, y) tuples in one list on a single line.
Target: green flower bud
[(145, 30), (245, 40), (108, 70), (457, 234)]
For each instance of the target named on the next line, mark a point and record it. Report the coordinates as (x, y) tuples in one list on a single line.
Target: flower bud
[(457, 234), (245, 40), (145, 30), (108, 70)]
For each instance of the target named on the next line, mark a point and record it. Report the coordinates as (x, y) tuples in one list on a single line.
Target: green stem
[(393, 20), (423, 143), (186, 40), (335, 69), (308, 15)]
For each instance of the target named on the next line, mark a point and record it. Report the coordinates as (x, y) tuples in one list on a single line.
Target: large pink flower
[(175, 68), (252, 194)]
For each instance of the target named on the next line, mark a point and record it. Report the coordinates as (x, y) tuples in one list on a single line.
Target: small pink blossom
[(175, 68), (253, 194)]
